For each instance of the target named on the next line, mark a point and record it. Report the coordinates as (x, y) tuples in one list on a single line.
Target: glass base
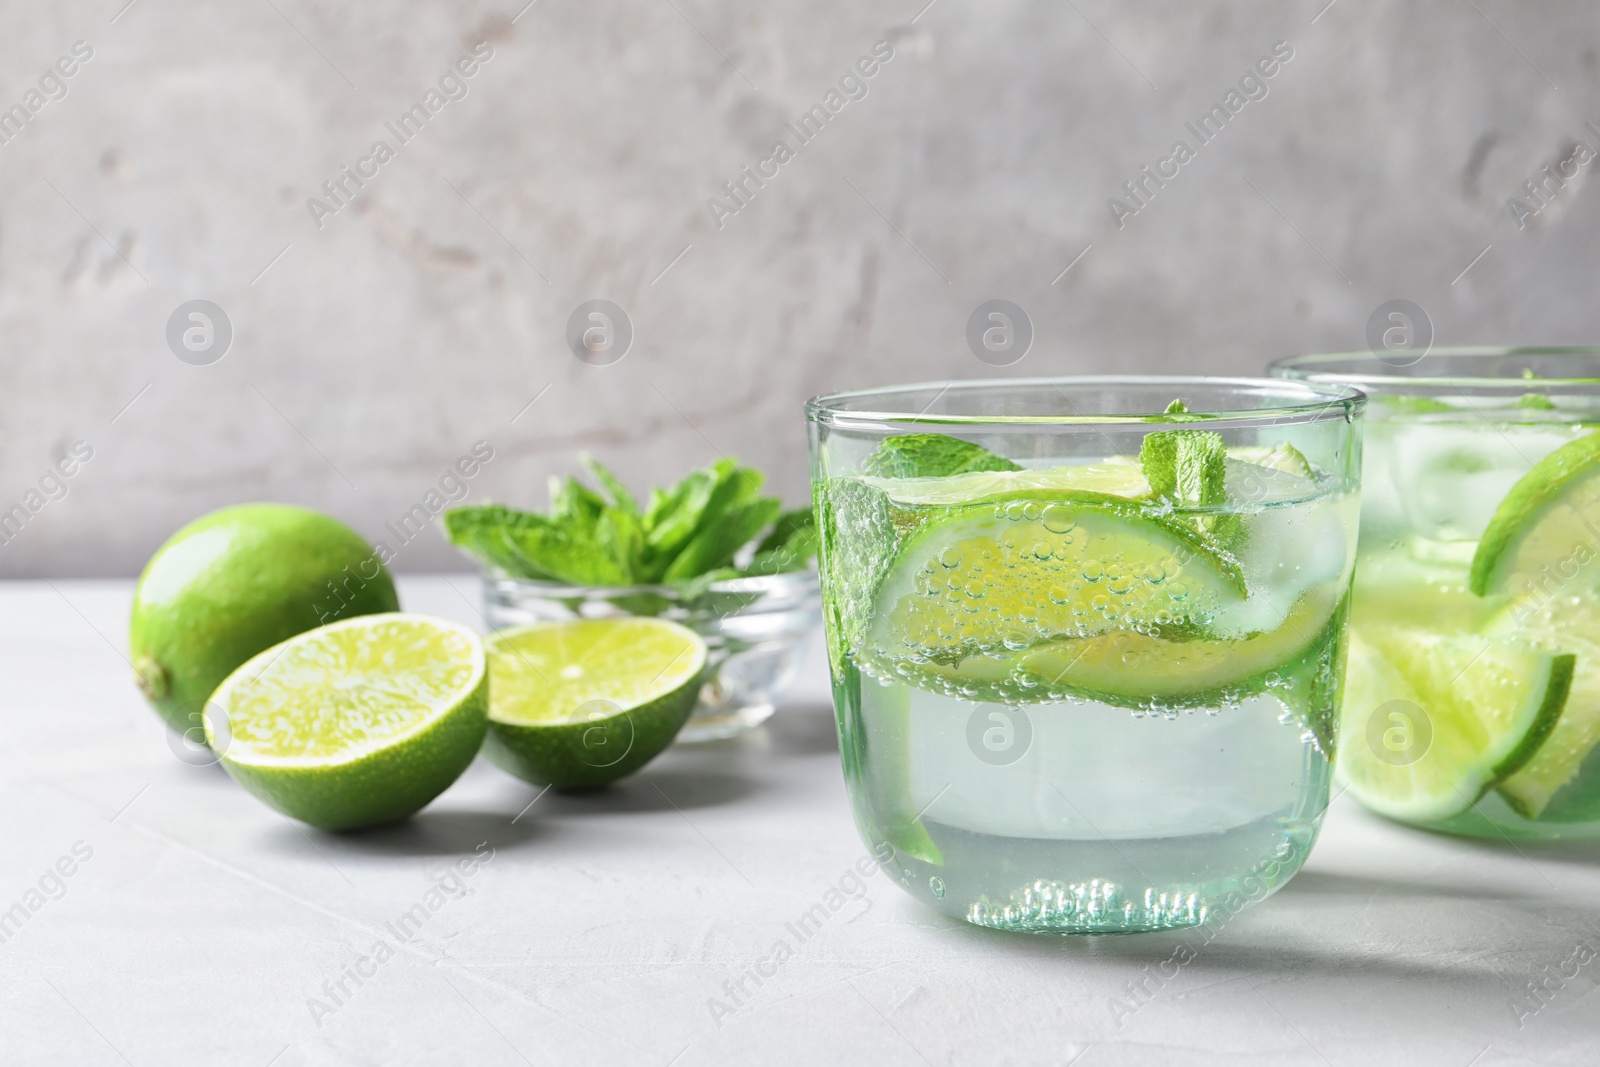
[(1492, 819), (1126, 886)]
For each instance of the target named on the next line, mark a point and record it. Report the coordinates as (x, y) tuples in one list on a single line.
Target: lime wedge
[(1539, 549), (1125, 668), (1561, 782), (1546, 527), (579, 704), (1003, 577), (1431, 721), (1113, 479), (357, 723)]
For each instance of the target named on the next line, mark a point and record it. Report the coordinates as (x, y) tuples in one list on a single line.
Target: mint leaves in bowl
[(710, 552)]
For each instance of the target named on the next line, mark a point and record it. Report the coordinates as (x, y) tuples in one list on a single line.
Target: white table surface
[(203, 924)]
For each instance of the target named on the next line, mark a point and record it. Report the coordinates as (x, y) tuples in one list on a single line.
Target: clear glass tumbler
[(1473, 696), (1086, 637)]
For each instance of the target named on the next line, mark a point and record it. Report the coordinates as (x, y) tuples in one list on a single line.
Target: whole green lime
[(238, 581)]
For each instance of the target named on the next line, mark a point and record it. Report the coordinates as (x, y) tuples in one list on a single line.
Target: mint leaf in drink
[(931, 455), (1177, 407), (1186, 467)]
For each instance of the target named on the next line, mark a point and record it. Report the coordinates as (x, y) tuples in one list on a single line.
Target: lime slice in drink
[(1540, 549), (1125, 667), (357, 723), (1431, 721), (579, 704), (1002, 577), (1115, 479), (1561, 782), (1546, 528)]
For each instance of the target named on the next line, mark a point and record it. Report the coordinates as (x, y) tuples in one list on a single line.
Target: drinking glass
[(1086, 637), (1473, 699)]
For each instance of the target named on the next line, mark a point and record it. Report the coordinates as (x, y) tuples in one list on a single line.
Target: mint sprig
[(688, 535)]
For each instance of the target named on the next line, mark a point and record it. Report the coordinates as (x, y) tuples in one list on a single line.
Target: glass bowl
[(755, 631)]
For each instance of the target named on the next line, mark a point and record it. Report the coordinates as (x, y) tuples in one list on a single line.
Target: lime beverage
[(1085, 666), (1473, 703)]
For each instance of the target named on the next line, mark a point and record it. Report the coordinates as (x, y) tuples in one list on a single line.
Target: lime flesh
[(357, 723), (580, 704), (238, 581)]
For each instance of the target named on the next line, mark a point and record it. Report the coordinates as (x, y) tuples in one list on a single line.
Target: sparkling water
[(1189, 778)]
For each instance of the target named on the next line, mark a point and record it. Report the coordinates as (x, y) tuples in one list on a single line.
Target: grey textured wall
[(373, 345)]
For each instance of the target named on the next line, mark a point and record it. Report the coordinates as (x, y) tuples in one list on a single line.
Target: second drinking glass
[(1086, 637)]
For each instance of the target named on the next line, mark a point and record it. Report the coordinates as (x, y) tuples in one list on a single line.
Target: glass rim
[(1385, 377), (1304, 401), (805, 576)]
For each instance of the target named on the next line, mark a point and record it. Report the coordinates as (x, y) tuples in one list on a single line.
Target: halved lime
[(1546, 528), (356, 723), (1561, 782), (1430, 721), (582, 703)]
